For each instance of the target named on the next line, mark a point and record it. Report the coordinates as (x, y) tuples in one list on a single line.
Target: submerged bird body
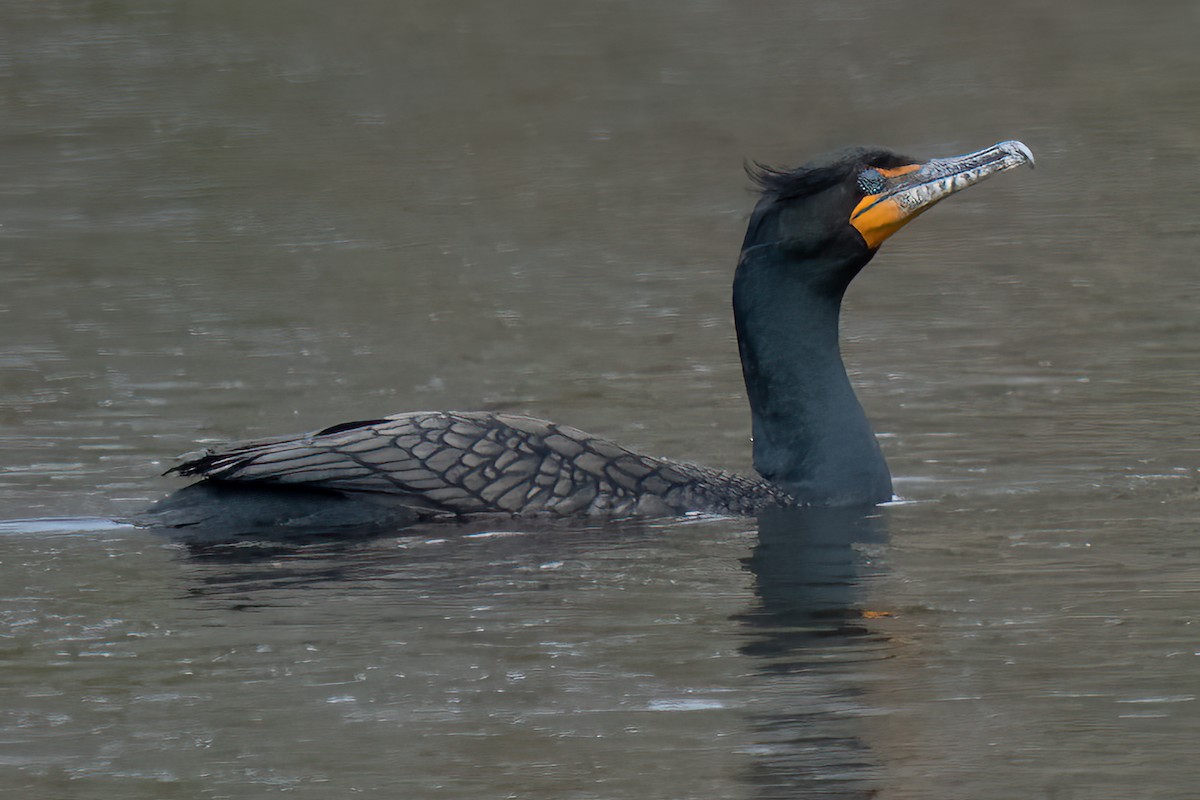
[(811, 232)]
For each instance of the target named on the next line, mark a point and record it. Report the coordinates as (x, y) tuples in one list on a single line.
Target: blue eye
[(870, 182)]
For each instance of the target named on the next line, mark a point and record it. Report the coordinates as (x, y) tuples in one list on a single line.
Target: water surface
[(221, 220)]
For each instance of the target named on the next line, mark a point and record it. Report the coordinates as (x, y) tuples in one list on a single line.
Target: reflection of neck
[(811, 436), (809, 566), (813, 578)]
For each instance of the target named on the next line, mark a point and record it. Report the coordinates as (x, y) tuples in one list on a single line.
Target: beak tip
[(1020, 150)]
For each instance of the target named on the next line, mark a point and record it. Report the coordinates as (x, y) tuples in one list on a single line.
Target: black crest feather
[(821, 173)]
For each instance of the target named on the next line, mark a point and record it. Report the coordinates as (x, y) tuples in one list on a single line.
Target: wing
[(466, 463)]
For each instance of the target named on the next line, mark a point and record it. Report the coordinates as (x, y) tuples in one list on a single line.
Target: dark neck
[(811, 436)]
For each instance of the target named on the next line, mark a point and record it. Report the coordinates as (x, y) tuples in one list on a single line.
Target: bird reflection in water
[(812, 638)]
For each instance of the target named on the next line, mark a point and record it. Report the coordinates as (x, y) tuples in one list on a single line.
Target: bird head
[(837, 210)]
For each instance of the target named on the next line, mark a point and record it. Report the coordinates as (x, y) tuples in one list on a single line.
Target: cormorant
[(814, 228)]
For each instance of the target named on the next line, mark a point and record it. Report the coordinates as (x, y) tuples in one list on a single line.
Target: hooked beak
[(911, 189)]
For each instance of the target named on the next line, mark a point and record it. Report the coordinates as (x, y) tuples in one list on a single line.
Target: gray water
[(222, 220)]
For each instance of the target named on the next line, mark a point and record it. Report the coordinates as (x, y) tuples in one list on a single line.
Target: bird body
[(458, 463), (812, 231)]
